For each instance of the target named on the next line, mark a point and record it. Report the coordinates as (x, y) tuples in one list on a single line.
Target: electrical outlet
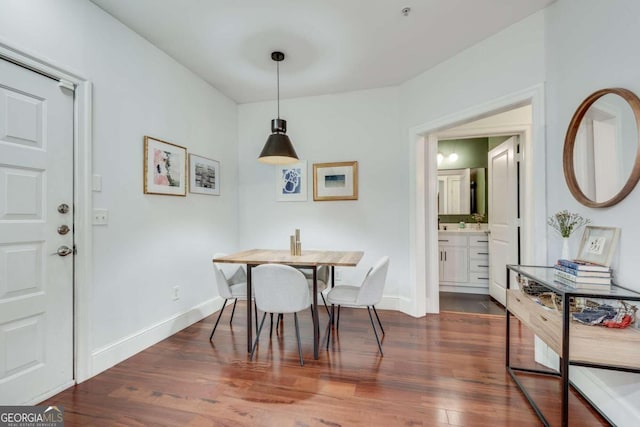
[(175, 292), (100, 217)]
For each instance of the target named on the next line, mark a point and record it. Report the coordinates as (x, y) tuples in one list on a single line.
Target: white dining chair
[(231, 280), (279, 289), (367, 295), (322, 277)]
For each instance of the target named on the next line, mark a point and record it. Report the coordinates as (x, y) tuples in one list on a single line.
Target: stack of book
[(583, 275)]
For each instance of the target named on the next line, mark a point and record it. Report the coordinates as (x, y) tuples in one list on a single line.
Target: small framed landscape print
[(598, 245), (291, 182), (204, 175), (335, 181), (164, 167)]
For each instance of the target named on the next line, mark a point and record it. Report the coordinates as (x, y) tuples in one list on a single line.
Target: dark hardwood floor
[(439, 370)]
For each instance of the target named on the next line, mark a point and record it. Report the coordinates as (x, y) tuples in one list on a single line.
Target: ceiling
[(330, 45)]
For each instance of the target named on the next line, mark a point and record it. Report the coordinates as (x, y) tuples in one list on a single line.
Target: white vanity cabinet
[(464, 261), (454, 258)]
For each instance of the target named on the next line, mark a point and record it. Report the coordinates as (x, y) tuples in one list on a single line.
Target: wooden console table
[(575, 343)]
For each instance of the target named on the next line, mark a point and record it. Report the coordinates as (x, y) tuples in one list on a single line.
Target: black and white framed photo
[(204, 175), (291, 182)]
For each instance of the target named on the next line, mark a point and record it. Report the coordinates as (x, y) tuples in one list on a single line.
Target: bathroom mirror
[(601, 159), (462, 191)]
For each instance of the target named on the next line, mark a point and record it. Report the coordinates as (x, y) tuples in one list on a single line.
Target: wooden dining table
[(311, 259)]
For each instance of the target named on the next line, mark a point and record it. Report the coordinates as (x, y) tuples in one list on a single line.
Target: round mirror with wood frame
[(576, 128)]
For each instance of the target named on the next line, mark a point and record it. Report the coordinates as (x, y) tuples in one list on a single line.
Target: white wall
[(151, 243), (582, 60), (592, 45), (508, 62), (470, 83), (361, 126)]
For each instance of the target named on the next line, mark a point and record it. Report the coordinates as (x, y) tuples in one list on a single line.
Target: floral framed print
[(291, 182), (598, 245), (204, 175), (335, 181), (164, 167)]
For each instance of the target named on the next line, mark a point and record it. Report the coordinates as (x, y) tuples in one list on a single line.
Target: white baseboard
[(407, 306), (112, 354), (610, 401), (388, 303)]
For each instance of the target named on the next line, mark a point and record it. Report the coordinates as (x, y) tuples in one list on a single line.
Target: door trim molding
[(423, 215), (83, 238)]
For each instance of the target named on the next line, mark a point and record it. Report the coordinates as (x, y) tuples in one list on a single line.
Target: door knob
[(63, 208), (63, 229), (63, 251)]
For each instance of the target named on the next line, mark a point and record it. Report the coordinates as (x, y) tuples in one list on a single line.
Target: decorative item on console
[(565, 223), (588, 311)]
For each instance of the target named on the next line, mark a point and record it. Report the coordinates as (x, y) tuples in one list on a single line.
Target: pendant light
[(278, 149)]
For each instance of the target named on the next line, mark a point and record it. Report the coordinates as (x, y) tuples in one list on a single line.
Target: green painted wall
[(472, 153)]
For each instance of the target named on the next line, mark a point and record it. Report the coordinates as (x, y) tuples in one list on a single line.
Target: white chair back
[(221, 280), (279, 289), (227, 275), (233, 272), (373, 284)]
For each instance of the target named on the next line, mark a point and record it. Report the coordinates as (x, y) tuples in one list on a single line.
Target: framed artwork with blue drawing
[(291, 182)]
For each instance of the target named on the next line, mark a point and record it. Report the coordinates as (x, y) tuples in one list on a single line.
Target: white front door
[(36, 283), (503, 212)]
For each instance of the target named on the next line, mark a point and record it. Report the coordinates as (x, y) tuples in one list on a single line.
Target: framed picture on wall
[(204, 175), (164, 167), (291, 182), (335, 181), (598, 245)]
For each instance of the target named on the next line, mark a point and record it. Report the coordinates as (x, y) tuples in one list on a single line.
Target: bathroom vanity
[(463, 260)]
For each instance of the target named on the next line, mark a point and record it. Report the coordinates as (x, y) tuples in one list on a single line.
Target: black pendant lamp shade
[(278, 149)]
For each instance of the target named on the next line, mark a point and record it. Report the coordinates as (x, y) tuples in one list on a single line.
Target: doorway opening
[(478, 192), (476, 121)]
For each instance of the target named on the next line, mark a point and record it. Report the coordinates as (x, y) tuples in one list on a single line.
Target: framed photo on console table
[(335, 181), (165, 167), (204, 175), (598, 245)]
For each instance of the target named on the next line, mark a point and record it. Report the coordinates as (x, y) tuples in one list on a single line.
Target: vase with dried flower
[(565, 223), (477, 217)]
